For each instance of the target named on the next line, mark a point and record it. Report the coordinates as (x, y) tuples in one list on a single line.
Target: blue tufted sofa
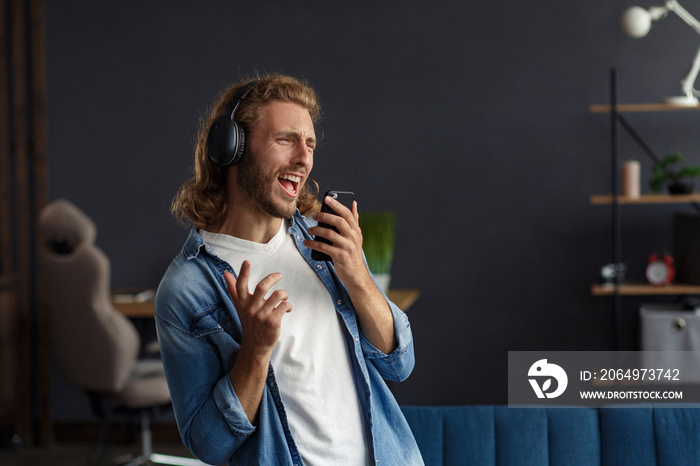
[(547, 436)]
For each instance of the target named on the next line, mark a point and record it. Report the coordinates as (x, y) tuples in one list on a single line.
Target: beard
[(259, 194)]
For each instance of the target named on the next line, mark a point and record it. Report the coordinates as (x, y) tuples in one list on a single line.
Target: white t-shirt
[(311, 359)]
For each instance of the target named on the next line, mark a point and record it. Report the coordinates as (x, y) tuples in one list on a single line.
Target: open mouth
[(290, 183)]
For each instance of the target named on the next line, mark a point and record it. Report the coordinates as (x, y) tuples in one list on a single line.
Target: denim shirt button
[(319, 266), (339, 301)]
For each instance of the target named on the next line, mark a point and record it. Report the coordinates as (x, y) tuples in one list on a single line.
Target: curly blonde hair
[(201, 201)]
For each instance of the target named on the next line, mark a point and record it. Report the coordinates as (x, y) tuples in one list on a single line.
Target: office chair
[(96, 347)]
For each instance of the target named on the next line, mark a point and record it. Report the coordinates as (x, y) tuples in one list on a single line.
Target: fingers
[(265, 284), (342, 212), (277, 303), (282, 307), (242, 283), (346, 221), (242, 298), (263, 318)]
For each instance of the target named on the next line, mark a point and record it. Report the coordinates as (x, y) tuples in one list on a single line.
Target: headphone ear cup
[(224, 139), (239, 146)]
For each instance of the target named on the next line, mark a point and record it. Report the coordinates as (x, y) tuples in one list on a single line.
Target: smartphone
[(344, 197)]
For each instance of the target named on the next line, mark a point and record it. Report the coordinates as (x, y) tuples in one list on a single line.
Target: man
[(273, 358)]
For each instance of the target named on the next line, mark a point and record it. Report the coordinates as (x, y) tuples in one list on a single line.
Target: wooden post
[(23, 192)]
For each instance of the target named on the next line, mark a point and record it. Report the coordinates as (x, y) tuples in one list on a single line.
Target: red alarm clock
[(660, 270)]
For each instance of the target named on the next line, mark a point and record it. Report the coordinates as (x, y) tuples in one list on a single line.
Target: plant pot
[(383, 279), (680, 188)]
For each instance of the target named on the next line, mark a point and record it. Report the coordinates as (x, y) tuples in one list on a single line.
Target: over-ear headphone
[(226, 139)]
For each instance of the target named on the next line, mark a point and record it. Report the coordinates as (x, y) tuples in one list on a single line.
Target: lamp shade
[(636, 21)]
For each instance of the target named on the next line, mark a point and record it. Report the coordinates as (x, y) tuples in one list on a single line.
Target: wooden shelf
[(403, 298), (136, 310), (629, 108), (642, 289), (647, 199)]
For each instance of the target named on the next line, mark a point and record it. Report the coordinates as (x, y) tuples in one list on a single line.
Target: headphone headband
[(241, 94)]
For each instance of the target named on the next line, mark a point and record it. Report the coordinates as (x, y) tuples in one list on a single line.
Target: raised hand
[(261, 318)]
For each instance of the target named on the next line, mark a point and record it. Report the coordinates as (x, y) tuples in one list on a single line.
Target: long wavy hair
[(201, 201)]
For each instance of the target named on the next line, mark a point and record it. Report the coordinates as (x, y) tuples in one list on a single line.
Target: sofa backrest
[(541, 436)]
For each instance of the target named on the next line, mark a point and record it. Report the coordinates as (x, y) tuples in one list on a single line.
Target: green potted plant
[(678, 180), (378, 234)]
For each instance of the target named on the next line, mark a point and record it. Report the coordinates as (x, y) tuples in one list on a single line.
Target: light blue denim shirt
[(200, 334)]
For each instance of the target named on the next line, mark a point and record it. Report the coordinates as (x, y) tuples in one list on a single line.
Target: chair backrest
[(95, 345)]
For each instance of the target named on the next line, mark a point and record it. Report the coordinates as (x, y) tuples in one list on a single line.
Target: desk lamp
[(636, 22)]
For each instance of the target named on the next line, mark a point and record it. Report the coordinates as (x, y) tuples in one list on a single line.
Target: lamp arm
[(688, 82), (689, 19)]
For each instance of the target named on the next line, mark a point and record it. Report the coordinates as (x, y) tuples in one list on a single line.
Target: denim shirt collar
[(194, 242)]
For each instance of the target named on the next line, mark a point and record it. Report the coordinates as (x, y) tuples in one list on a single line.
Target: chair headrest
[(64, 226)]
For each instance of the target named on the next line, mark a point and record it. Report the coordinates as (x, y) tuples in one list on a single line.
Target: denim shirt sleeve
[(397, 365)]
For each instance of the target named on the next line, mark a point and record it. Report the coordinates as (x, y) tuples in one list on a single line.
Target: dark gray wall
[(470, 119)]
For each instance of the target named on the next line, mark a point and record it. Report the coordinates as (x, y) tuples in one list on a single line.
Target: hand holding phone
[(344, 197)]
